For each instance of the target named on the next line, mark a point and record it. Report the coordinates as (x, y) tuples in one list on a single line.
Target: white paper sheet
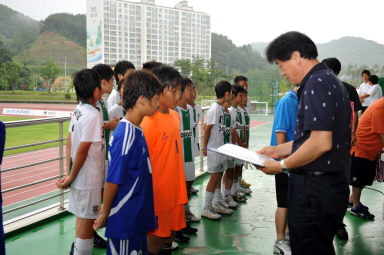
[(242, 153)]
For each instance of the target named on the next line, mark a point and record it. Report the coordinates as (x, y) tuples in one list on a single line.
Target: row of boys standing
[(145, 191)]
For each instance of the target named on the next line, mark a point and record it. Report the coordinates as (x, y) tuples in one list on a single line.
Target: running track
[(35, 173)]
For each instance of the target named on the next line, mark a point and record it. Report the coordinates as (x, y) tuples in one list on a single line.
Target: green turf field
[(31, 134)]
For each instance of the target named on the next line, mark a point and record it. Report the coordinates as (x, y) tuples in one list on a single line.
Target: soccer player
[(85, 160), (118, 111), (128, 211), (121, 68), (214, 138), (162, 133)]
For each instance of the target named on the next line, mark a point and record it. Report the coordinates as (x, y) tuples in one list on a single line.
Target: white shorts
[(189, 171), (215, 162), (85, 203), (230, 163)]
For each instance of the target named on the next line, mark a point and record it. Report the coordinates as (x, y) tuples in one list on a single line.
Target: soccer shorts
[(167, 221), (362, 171), (135, 245), (215, 162), (85, 203), (189, 171)]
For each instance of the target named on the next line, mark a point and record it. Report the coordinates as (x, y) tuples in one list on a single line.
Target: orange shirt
[(371, 124), (162, 133)]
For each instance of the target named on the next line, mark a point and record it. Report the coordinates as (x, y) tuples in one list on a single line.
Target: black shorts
[(362, 171), (281, 184)]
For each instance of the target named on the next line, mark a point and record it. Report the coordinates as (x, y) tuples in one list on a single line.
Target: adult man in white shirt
[(364, 88), (374, 93)]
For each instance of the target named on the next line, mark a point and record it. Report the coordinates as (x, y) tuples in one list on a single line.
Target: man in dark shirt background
[(318, 188), (335, 66)]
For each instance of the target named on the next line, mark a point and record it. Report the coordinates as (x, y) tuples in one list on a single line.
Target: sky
[(247, 21)]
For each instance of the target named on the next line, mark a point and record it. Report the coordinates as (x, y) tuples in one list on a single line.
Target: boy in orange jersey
[(162, 133)]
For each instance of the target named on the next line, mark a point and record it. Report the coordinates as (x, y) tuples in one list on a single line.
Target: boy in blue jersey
[(128, 210)]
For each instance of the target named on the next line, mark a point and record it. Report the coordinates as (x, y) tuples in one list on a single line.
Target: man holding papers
[(315, 159)]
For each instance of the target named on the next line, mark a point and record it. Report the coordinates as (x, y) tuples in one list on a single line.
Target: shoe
[(230, 202), (350, 205), (282, 247), (188, 230), (342, 233), (72, 249), (98, 241), (193, 218), (223, 203), (244, 183), (245, 191), (166, 249), (221, 209), (210, 213), (174, 246), (362, 212), (239, 198), (194, 191), (239, 193), (181, 237)]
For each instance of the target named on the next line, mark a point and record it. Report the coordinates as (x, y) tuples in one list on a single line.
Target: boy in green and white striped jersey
[(185, 112)]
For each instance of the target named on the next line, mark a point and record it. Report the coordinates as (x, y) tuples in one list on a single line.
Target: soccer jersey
[(228, 127), (117, 111), (186, 131), (236, 117), (215, 117), (240, 112), (162, 133), (87, 126), (101, 107), (114, 98), (197, 116), (132, 211), (247, 121)]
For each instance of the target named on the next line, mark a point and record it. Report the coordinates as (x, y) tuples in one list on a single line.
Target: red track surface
[(35, 173)]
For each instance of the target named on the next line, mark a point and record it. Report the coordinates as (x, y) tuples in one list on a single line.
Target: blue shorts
[(136, 245)]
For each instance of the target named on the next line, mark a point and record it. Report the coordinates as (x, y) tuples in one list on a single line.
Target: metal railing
[(60, 158)]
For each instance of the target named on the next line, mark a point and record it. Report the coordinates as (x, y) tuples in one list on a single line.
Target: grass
[(20, 95), (31, 134)]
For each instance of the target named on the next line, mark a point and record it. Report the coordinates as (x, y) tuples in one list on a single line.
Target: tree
[(49, 71), (184, 66), (5, 55), (9, 75), (199, 73)]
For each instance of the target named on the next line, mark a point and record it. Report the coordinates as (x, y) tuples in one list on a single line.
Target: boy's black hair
[(238, 89), (374, 79), (121, 68), (151, 65), (333, 64), (283, 46), (240, 78), (168, 76), (139, 83), (85, 82), (365, 72), (221, 88), (105, 71), (185, 82)]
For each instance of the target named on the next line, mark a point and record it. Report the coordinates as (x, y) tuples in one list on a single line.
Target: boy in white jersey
[(239, 126), (121, 68), (185, 112), (117, 111), (214, 138), (128, 210), (85, 160)]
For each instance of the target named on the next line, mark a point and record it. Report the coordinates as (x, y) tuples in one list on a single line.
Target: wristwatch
[(284, 168)]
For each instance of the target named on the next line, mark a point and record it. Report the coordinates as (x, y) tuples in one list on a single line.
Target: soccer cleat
[(194, 191), (188, 230), (362, 212), (223, 203), (193, 218), (282, 247), (181, 237), (342, 233), (219, 208), (72, 249), (174, 245), (231, 203), (210, 213), (239, 197), (245, 184), (245, 191), (98, 241), (350, 205)]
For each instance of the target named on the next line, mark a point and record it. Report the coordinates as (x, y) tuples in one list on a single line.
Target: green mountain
[(349, 50)]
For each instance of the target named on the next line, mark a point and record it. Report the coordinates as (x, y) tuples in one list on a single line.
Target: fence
[(60, 171)]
